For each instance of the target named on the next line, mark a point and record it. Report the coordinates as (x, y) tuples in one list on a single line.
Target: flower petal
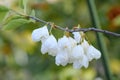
[(85, 61), (50, 46), (40, 34), (77, 36), (77, 52), (85, 45), (66, 43), (93, 53), (77, 64), (61, 58)]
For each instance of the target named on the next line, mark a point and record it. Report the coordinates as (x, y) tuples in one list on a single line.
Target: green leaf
[(12, 17), (15, 23), (3, 9), (33, 13), (2, 16)]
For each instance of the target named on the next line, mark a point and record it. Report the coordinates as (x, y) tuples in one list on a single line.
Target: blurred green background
[(20, 57)]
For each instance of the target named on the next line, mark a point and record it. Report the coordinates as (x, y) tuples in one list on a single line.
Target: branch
[(69, 30), (75, 30)]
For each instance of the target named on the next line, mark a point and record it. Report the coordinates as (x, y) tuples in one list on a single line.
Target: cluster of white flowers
[(76, 50)]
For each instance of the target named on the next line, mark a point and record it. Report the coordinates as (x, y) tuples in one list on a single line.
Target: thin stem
[(66, 29), (75, 30), (100, 38)]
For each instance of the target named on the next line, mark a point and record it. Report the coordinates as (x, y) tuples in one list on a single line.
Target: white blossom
[(79, 57), (77, 36), (77, 52), (61, 58), (77, 64), (66, 50), (93, 53), (66, 43), (63, 43), (72, 42), (40, 34), (50, 46)]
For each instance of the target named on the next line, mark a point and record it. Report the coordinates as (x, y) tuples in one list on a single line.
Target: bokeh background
[(20, 57)]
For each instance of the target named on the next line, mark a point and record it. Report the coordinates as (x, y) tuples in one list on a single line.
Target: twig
[(76, 30), (69, 30)]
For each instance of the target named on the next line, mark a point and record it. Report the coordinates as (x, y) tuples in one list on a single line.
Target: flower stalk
[(76, 30)]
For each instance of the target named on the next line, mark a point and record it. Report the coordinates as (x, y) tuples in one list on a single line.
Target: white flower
[(72, 42), (77, 52), (79, 58), (66, 43), (40, 34), (50, 46), (63, 42), (77, 36), (61, 58), (77, 64), (93, 53)]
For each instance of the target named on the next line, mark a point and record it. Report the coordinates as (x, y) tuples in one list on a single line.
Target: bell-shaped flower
[(40, 34), (63, 42), (66, 43), (50, 46), (77, 64), (93, 53), (61, 58), (79, 58), (77, 52), (77, 37), (72, 42)]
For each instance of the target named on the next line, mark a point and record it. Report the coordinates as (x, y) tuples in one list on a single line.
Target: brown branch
[(69, 30), (76, 30)]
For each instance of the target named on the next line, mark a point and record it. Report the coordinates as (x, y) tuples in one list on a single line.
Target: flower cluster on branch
[(67, 50)]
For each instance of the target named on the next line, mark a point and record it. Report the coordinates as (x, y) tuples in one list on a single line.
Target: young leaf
[(15, 23), (3, 11), (11, 17), (33, 13)]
